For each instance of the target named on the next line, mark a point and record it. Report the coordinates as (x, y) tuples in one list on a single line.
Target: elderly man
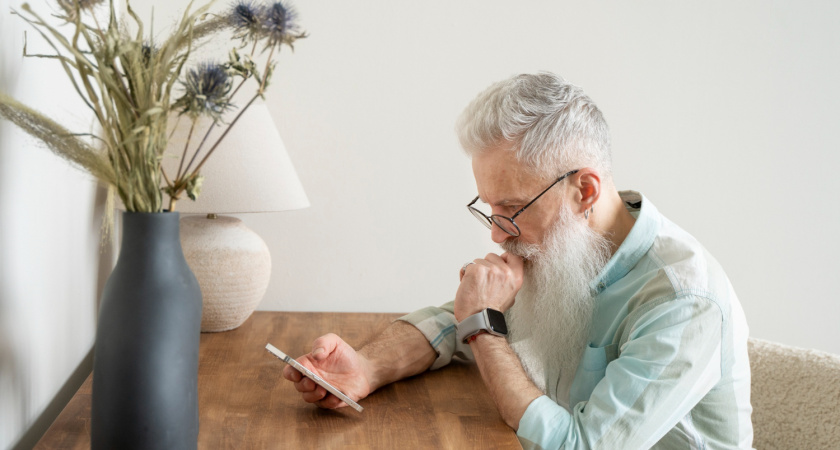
[(602, 325)]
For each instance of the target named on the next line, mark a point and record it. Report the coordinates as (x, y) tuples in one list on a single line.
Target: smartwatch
[(489, 320)]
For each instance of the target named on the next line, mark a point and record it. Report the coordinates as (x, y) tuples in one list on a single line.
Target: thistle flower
[(281, 25), (246, 19), (128, 82), (206, 91)]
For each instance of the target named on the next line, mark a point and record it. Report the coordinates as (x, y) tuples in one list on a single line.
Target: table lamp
[(248, 172)]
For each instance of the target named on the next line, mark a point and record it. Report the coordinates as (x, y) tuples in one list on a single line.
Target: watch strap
[(477, 323), (472, 325), (470, 339)]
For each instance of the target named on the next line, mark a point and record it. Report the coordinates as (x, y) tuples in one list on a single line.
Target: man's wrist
[(487, 320), (368, 370), (472, 338), (474, 312), (400, 351)]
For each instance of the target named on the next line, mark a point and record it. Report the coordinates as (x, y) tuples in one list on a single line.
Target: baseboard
[(61, 399)]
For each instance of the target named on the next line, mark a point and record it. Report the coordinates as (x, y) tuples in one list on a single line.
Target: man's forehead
[(501, 179), (502, 199)]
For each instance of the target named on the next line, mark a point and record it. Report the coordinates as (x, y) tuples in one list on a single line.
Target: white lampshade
[(250, 170)]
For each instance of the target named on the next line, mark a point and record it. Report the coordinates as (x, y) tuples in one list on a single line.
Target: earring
[(586, 213)]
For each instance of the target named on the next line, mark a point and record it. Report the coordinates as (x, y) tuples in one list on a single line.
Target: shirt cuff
[(544, 425), (438, 325)]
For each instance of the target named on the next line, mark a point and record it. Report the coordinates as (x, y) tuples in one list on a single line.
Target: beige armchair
[(795, 397)]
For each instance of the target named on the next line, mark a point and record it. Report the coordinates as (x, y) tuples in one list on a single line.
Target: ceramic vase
[(145, 370)]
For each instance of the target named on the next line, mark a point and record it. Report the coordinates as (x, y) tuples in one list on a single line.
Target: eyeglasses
[(506, 223)]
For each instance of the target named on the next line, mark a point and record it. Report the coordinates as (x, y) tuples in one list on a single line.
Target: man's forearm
[(509, 385), (400, 351)]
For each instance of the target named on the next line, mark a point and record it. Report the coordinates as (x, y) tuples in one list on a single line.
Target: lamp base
[(232, 265)]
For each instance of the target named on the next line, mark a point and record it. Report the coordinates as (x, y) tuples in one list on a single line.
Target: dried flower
[(128, 82), (241, 65), (206, 90), (281, 25), (246, 19), (194, 186)]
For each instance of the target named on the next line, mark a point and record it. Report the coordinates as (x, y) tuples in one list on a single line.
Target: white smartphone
[(311, 375)]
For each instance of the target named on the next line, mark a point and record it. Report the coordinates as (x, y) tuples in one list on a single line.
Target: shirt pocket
[(591, 370)]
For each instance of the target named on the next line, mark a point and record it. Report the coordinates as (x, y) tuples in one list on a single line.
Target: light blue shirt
[(667, 363)]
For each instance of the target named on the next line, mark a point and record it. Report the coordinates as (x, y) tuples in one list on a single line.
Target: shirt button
[(602, 286)]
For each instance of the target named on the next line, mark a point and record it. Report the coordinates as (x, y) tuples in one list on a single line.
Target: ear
[(587, 184)]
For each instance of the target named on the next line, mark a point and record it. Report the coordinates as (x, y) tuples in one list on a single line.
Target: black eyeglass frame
[(488, 221)]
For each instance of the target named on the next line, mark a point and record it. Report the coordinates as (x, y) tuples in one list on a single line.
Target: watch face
[(497, 321)]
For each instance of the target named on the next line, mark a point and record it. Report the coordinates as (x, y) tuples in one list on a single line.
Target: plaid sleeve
[(438, 325)]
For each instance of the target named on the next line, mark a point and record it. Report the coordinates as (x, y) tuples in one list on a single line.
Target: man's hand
[(491, 282), (337, 363)]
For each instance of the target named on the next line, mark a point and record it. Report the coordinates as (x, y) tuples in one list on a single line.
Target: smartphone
[(311, 375)]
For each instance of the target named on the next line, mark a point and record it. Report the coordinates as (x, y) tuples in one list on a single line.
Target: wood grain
[(245, 403)]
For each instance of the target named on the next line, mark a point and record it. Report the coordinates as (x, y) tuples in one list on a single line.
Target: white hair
[(553, 125)]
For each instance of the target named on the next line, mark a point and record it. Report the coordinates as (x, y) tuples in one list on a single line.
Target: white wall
[(49, 250), (721, 114)]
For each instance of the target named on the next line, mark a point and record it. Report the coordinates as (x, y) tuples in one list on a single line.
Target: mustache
[(521, 249)]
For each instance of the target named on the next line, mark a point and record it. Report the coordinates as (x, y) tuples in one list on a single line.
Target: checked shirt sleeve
[(438, 325)]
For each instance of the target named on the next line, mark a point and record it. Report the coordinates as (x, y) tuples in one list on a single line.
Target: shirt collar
[(635, 245)]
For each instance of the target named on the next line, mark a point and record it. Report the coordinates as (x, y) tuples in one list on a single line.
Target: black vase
[(145, 368)]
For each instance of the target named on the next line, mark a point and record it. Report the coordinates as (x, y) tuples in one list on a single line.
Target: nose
[(498, 235)]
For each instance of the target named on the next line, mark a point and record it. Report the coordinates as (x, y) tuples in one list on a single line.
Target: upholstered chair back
[(795, 397)]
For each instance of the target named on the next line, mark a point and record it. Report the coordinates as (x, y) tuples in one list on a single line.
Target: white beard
[(549, 323)]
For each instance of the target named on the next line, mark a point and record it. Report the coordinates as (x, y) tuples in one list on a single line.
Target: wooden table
[(244, 402)]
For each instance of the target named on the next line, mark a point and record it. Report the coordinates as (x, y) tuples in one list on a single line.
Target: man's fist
[(491, 282)]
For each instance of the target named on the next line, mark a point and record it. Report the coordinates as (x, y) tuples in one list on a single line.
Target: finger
[(463, 270), (495, 263), (305, 385), (291, 374), (314, 396), (324, 346), (509, 268), (515, 262), (487, 262), (331, 402), (495, 259)]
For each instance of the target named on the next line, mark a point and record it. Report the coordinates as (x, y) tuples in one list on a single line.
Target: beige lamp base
[(232, 265)]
